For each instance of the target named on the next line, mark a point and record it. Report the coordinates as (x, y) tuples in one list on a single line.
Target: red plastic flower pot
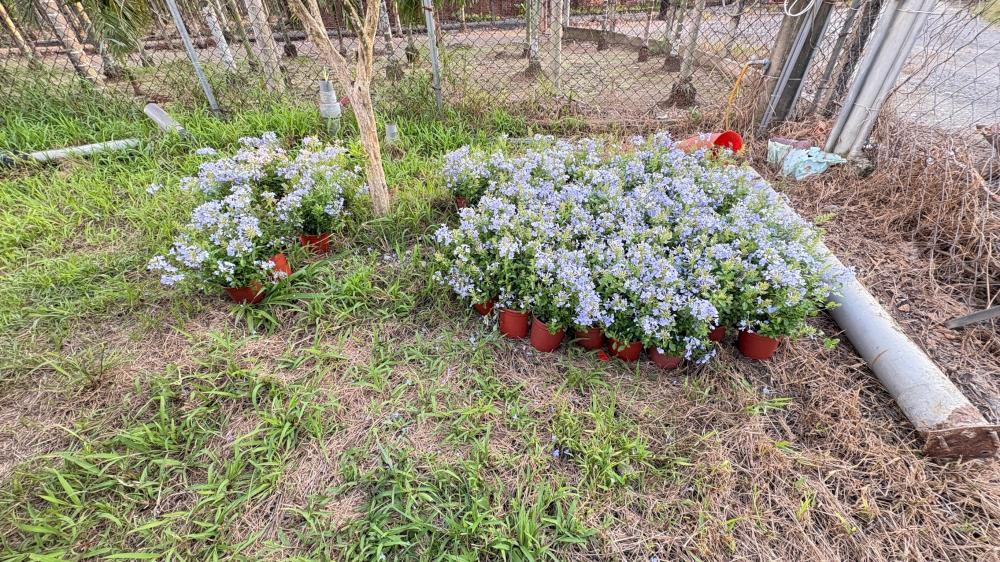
[(590, 339), (513, 323), (756, 346), (625, 352), (728, 139), (316, 243), (484, 308), (251, 294), (459, 202), (544, 340), (717, 334), (281, 263), (663, 360)]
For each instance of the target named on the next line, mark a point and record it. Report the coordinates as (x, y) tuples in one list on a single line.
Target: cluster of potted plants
[(253, 206), (649, 248)]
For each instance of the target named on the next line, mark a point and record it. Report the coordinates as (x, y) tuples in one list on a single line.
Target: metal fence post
[(186, 40), (432, 45)]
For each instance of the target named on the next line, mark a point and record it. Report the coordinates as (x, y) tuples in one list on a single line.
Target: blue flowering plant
[(225, 244), (650, 244), (252, 204), (315, 185)]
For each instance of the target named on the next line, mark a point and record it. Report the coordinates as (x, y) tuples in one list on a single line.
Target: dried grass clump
[(929, 182)]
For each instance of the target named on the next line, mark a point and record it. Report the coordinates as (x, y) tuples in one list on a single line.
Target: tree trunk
[(553, 42), (358, 84), (393, 70), (241, 31), (396, 18), (364, 113), (208, 12), (602, 41), (8, 23), (83, 63), (461, 17), (779, 52), (671, 62), (684, 94), (112, 69), (534, 21), (268, 49), (341, 22)]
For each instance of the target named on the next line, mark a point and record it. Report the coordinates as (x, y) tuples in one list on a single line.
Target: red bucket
[(756, 346), (717, 334), (316, 243), (625, 352), (513, 323), (251, 294), (484, 308), (726, 139), (544, 340), (663, 360), (281, 263), (590, 339)]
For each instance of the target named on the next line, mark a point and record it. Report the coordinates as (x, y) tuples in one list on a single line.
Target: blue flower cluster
[(648, 243), (253, 202)]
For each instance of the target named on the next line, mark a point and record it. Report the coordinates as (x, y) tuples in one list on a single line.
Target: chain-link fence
[(616, 59)]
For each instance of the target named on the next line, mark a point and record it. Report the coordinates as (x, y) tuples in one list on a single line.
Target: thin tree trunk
[(357, 84), (671, 62), (534, 19), (553, 42), (396, 18), (83, 63), (341, 22), (602, 41), (208, 12), (683, 93), (461, 17), (241, 31), (393, 70), (19, 40), (268, 49)]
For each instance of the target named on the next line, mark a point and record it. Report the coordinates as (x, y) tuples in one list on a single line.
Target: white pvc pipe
[(950, 424), (163, 120), (60, 153)]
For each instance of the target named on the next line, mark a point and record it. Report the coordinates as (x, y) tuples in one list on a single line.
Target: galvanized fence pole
[(193, 55), (432, 45)]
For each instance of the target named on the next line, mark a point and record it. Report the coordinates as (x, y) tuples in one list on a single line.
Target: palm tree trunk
[(266, 45), (684, 93), (8, 23), (241, 32), (82, 62), (112, 69)]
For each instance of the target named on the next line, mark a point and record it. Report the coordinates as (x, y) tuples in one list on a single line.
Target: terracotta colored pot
[(727, 139), (316, 243), (717, 334), (484, 308), (251, 294), (281, 263), (590, 339), (544, 340), (663, 360), (460, 202), (627, 352), (756, 346), (513, 323)]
